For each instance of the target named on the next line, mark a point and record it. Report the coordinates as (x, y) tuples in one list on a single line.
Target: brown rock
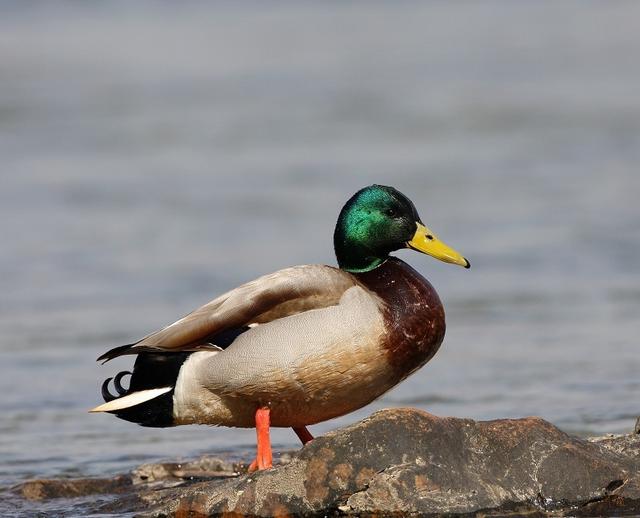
[(46, 489), (405, 461)]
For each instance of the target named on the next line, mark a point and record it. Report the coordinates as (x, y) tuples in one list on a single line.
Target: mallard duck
[(301, 345)]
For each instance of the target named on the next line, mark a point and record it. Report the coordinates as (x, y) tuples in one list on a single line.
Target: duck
[(299, 346)]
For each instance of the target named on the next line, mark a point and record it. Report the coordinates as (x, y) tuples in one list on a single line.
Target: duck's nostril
[(429, 237)]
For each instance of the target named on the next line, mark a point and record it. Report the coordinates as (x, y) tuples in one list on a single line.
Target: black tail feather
[(115, 352), (150, 371), (123, 350), (154, 369), (106, 395), (117, 382)]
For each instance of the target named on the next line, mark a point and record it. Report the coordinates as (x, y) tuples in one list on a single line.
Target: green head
[(378, 220)]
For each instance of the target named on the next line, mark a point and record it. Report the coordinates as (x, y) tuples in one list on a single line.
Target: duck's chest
[(413, 315)]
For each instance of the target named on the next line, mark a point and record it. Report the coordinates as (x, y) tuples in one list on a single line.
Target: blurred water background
[(156, 154)]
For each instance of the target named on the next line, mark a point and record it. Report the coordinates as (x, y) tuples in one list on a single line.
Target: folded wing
[(285, 292)]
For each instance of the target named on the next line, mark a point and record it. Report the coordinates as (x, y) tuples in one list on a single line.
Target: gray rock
[(47, 489), (399, 462)]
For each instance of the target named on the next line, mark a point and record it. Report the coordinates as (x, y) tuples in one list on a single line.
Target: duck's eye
[(390, 212)]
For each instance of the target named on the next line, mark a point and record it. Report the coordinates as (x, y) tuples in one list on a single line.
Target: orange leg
[(303, 434), (263, 457)]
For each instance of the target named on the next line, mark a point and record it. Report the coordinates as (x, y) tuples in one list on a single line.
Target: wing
[(283, 293)]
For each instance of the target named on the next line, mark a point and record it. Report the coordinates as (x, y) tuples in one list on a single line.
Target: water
[(156, 155)]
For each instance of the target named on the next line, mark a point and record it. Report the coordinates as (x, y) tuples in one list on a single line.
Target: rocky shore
[(399, 462)]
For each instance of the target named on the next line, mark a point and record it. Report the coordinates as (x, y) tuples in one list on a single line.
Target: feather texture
[(286, 292)]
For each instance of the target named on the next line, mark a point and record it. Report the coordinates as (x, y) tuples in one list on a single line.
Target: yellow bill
[(428, 243)]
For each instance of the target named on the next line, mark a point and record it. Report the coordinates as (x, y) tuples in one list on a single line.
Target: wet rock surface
[(397, 462)]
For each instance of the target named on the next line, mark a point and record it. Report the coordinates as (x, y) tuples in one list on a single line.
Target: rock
[(46, 489), (203, 468), (400, 462), (627, 446)]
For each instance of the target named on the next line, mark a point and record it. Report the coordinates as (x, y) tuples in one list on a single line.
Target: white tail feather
[(131, 400)]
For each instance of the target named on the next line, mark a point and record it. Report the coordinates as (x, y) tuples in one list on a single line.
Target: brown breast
[(414, 316)]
